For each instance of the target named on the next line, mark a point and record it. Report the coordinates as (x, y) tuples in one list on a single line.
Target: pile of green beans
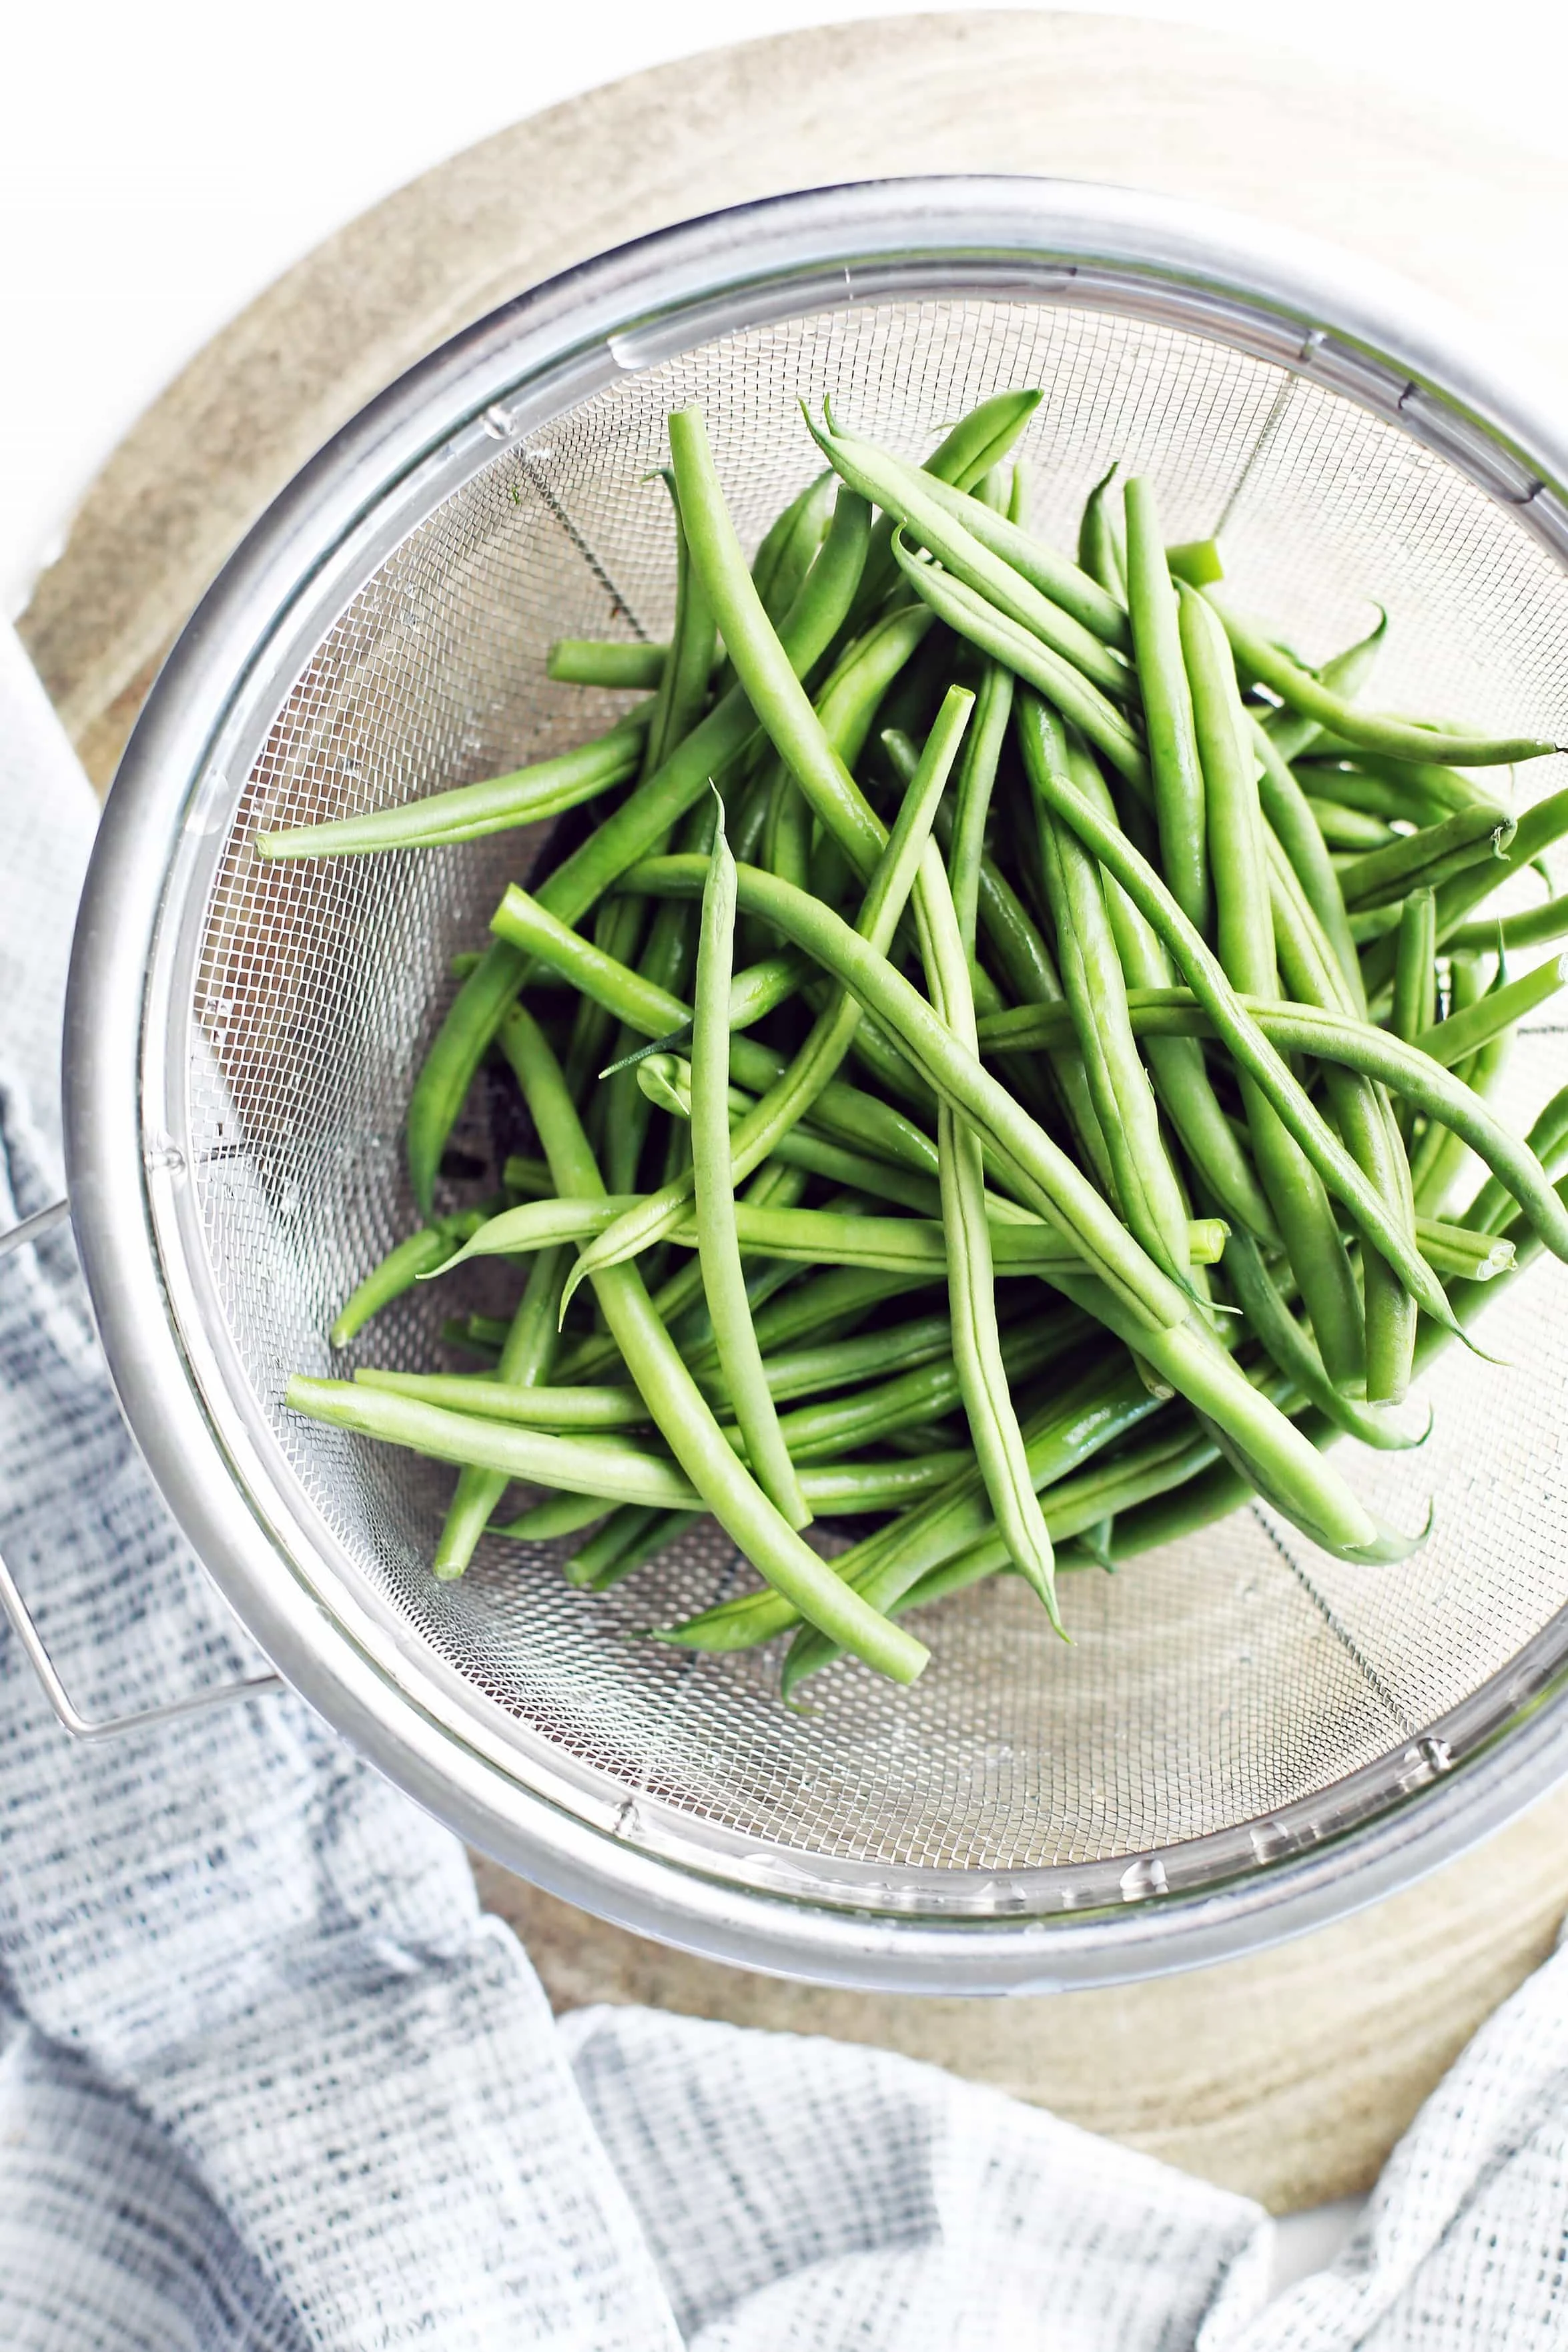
[(1003, 1064)]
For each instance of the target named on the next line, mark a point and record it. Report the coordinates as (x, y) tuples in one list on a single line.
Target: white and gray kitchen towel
[(269, 2080)]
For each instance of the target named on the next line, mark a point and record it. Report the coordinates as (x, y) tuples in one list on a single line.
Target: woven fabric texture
[(269, 2080)]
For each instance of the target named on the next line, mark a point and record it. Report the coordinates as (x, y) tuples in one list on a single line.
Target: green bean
[(597, 661), (1466, 1033), (1420, 788), (1425, 860), (1539, 827), (1196, 561), (1369, 731), (1075, 696), (851, 696), (557, 1515), (1440, 1159), (714, 1205), (1415, 973), (1145, 1186), (1390, 800), (838, 1362), (1344, 674), (792, 1093), (642, 820), (976, 782), (683, 684), (832, 1304), (1493, 1205), (1533, 927), (469, 812), (1462, 1256), (637, 1538), (1244, 936), (1332, 1038), (954, 529), (1176, 770), (789, 546), (967, 1246), (1291, 819), (1061, 583), (680, 1411), (1350, 829), (976, 445), (787, 837), (1100, 553), (1366, 1123), (525, 1359), (820, 1236), (1243, 1033), (422, 1252), (476, 1335), (569, 1411), (919, 1394), (1102, 1405), (612, 1467)]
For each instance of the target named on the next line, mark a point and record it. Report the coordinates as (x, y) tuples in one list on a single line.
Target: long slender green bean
[(1245, 938), (1539, 827), (1343, 674), (525, 1359), (1146, 1185), (1290, 817), (1175, 765), (1101, 552), (1370, 730), (976, 445), (965, 1235), (469, 812), (1426, 859), (713, 1195)]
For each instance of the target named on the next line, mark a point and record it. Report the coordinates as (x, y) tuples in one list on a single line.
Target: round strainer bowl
[(1245, 1737)]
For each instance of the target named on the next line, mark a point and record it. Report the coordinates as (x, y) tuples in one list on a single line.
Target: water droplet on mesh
[(1437, 1752), (163, 1156), (496, 422)]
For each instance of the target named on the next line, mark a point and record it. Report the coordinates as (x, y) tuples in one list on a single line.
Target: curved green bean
[(619, 663), (1370, 730)]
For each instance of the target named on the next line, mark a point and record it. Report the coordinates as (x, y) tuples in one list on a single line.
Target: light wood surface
[(1289, 2075)]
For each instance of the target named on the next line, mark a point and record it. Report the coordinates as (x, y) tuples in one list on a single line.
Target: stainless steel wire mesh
[(1217, 1697)]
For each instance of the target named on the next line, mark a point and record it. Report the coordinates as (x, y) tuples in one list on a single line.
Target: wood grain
[(1289, 2075)]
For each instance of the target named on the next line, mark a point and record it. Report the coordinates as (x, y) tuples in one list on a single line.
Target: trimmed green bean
[(610, 662), (1426, 859)]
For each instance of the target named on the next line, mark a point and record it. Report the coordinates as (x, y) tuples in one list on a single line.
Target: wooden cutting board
[(1291, 2074)]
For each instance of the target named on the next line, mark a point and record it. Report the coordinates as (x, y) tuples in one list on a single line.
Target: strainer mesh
[(1205, 1687)]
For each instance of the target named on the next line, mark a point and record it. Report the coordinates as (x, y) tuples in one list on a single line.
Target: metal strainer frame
[(521, 1797)]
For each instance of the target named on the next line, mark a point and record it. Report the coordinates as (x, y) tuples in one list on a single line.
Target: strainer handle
[(80, 1726)]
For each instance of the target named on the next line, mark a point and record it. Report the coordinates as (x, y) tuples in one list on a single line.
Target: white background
[(160, 163)]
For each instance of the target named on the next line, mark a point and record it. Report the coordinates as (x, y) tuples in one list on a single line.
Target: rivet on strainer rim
[(1202, 1771)]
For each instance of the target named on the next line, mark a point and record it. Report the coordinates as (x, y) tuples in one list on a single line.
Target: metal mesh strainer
[(1186, 1776)]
